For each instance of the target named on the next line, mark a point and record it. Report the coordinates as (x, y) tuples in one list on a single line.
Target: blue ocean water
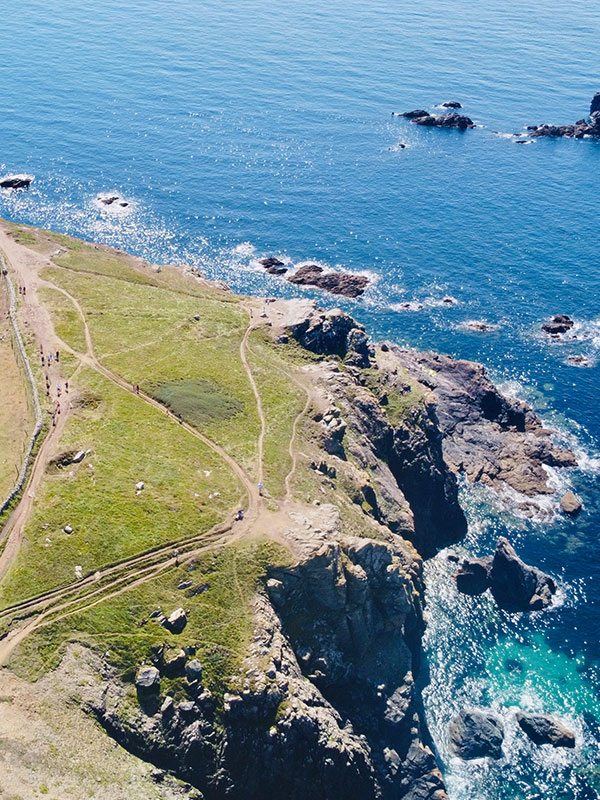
[(260, 127)]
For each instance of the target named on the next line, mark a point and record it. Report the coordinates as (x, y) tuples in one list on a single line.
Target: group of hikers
[(46, 361), (23, 290)]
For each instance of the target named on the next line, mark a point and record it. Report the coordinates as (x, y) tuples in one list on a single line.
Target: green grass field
[(150, 337), (179, 339), (219, 618), (187, 490), (282, 401)]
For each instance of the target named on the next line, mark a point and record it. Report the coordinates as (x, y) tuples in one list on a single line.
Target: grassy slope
[(143, 328), (130, 442), (16, 418), (282, 401), (149, 336), (219, 619)]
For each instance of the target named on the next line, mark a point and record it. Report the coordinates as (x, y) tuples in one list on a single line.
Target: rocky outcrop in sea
[(586, 127), (448, 120)]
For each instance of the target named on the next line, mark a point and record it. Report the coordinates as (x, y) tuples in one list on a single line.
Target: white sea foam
[(244, 249)]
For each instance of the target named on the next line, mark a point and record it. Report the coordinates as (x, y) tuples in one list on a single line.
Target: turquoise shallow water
[(260, 127)]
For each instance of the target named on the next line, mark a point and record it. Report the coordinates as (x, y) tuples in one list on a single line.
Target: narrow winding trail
[(259, 408), (12, 531), (112, 580)]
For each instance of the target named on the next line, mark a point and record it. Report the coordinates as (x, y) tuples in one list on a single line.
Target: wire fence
[(12, 314)]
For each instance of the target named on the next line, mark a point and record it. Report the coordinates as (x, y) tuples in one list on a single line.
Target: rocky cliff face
[(325, 703)]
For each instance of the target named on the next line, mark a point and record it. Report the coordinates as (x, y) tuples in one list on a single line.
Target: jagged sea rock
[(473, 577), (343, 283), (488, 437), (516, 586), (589, 127), (570, 504), (16, 181), (476, 734), (416, 114), (561, 323), (452, 120), (544, 729), (451, 104)]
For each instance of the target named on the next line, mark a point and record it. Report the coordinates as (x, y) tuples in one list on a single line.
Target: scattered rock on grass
[(193, 670), (177, 621), (174, 663), (147, 680)]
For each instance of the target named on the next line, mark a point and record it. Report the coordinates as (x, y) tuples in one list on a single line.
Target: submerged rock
[(111, 200), (343, 283), (561, 323), (543, 729), (272, 265), (578, 361), (476, 734), (16, 181), (570, 504), (479, 325), (516, 586)]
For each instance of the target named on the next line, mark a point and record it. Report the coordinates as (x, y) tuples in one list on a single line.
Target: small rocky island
[(448, 120), (16, 181), (346, 284), (583, 128)]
